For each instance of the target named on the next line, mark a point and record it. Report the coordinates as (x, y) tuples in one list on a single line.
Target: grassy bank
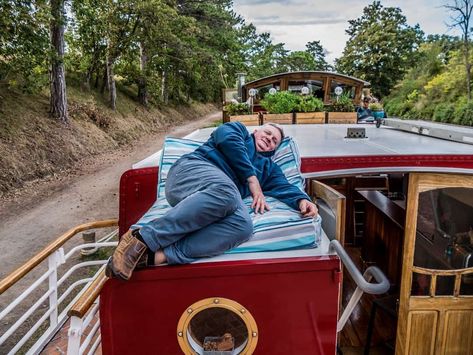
[(34, 146)]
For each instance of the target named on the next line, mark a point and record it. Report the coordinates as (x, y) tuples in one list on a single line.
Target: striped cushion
[(286, 156), (173, 149), (281, 228), (289, 160)]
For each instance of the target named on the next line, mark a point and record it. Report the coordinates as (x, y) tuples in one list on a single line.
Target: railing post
[(54, 260), (74, 333)]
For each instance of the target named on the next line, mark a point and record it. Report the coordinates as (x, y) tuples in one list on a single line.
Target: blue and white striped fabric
[(173, 149), (281, 228), (289, 160)]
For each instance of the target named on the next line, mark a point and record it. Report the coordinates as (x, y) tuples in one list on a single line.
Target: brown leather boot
[(125, 257)]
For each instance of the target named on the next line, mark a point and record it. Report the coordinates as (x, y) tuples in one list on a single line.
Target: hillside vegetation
[(435, 88), (33, 145)]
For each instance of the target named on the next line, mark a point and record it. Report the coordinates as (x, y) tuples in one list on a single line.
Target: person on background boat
[(205, 189), (363, 112)]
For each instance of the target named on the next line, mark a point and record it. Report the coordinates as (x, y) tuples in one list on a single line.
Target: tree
[(318, 53), (380, 48), (461, 15), (58, 101), (24, 44)]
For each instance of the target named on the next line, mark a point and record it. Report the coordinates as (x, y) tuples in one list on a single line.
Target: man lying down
[(205, 189)]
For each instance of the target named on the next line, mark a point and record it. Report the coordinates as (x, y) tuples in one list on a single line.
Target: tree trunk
[(142, 84), (164, 88), (468, 67), (111, 83), (58, 103)]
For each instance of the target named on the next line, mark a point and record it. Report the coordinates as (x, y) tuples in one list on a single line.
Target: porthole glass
[(217, 326)]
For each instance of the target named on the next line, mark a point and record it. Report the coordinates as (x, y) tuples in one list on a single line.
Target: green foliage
[(464, 115), (344, 103), (309, 104), (375, 106), (444, 112), (237, 108), (280, 102), (381, 47)]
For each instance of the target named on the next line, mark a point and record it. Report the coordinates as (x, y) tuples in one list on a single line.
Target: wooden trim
[(441, 305), (16, 275), (336, 201), (310, 117), (85, 301), (247, 120), (407, 261)]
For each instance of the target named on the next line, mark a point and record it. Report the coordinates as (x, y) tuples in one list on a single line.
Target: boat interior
[(374, 231)]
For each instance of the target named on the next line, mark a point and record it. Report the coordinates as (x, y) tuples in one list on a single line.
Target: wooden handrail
[(16, 275), (83, 304)]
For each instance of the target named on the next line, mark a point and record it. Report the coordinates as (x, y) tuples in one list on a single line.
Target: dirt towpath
[(44, 210)]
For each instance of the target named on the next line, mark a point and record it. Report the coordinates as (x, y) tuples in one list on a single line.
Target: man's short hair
[(275, 125), (366, 99)]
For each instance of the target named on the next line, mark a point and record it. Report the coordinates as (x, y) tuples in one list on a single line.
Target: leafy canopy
[(380, 48)]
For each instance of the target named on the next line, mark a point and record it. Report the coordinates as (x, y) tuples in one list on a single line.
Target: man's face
[(267, 138), (366, 104)]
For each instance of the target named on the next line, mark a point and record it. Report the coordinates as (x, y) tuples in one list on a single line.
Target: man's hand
[(259, 202), (307, 208)]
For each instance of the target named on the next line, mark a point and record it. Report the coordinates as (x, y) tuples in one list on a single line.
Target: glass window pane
[(316, 87), (444, 239), (347, 89), (214, 326), (263, 90), (420, 284)]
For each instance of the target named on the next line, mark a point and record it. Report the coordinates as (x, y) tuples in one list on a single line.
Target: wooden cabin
[(321, 84)]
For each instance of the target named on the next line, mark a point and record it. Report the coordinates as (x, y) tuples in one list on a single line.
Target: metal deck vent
[(356, 133)]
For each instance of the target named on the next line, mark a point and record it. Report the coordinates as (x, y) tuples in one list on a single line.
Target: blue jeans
[(208, 215)]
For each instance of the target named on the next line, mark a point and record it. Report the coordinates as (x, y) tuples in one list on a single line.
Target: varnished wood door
[(436, 300)]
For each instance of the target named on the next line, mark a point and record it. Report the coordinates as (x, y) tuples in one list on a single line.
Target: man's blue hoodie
[(232, 149)]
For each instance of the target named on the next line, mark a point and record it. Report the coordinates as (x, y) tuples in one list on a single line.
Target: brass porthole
[(217, 318)]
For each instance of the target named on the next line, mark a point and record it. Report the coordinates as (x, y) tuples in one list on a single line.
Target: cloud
[(263, 2), (296, 22), (276, 21)]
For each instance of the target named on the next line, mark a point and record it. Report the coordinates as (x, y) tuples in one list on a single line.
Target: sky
[(296, 22)]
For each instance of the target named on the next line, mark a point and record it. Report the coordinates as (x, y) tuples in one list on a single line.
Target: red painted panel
[(294, 302), (138, 189), (316, 164)]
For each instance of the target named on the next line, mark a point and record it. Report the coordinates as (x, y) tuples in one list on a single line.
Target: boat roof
[(329, 140), (325, 73)]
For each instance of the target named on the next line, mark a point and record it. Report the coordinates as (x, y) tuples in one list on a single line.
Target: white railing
[(56, 301)]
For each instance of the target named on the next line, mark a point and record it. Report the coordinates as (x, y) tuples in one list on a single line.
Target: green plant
[(464, 115), (444, 112), (280, 102), (376, 106), (237, 108), (309, 104), (343, 103)]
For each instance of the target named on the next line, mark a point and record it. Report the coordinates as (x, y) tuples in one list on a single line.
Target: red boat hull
[(293, 301)]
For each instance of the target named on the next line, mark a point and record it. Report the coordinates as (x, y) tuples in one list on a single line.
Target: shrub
[(309, 104), (280, 102), (236, 108), (444, 112), (464, 115), (343, 104)]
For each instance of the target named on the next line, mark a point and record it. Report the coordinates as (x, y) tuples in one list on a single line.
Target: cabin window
[(217, 326), (444, 240), (261, 91), (347, 89), (316, 87)]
